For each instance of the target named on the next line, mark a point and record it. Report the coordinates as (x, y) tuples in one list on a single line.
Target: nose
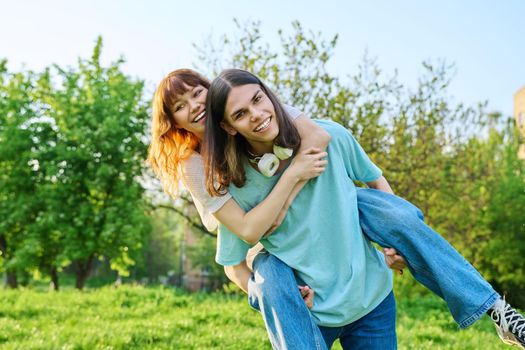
[(255, 113), (194, 106)]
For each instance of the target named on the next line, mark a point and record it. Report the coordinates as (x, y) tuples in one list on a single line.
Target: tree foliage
[(72, 149)]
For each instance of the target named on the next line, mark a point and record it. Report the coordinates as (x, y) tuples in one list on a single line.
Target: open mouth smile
[(199, 117), (264, 125)]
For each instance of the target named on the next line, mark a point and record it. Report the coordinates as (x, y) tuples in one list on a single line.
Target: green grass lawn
[(135, 317)]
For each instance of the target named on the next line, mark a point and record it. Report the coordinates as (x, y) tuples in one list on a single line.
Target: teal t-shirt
[(320, 237)]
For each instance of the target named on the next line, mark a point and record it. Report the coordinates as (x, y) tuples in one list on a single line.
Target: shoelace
[(509, 319)]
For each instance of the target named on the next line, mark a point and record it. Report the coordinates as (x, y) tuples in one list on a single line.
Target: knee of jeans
[(409, 214), (271, 277)]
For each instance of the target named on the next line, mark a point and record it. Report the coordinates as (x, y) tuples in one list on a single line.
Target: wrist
[(291, 176)]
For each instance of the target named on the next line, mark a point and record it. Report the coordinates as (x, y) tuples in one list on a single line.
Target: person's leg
[(274, 292), (391, 221), (374, 331), (394, 222)]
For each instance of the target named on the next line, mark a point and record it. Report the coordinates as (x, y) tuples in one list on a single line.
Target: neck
[(200, 136), (260, 148)]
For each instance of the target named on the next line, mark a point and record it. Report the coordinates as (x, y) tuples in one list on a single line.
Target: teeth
[(200, 116), (263, 125)]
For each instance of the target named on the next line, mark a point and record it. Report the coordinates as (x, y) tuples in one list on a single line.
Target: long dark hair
[(225, 154)]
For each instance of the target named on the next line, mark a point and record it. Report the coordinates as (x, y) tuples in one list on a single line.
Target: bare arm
[(312, 135), (239, 274), (381, 184), (251, 225)]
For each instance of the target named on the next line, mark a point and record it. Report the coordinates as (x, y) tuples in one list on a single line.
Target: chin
[(274, 136)]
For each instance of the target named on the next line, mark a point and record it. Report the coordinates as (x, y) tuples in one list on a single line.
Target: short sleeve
[(231, 250), (292, 111), (359, 166), (193, 178)]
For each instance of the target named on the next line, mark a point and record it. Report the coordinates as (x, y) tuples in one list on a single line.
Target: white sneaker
[(510, 324)]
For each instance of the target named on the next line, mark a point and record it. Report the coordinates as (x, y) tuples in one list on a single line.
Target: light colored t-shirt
[(320, 237), (193, 179)]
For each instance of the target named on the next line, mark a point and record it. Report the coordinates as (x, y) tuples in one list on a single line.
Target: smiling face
[(250, 112), (189, 110)]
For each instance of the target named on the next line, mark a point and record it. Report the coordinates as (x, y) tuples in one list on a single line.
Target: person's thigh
[(374, 331)]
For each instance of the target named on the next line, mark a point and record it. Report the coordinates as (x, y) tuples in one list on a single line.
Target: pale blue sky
[(486, 39)]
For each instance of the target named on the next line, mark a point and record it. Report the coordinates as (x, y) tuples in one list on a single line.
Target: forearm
[(250, 226), (239, 274), (259, 219)]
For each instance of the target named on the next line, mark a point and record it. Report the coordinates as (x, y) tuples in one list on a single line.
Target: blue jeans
[(393, 222), (376, 330), (273, 291), (389, 221)]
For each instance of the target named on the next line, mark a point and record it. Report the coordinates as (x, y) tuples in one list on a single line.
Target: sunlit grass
[(136, 317)]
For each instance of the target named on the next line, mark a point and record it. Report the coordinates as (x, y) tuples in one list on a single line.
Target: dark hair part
[(225, 154)]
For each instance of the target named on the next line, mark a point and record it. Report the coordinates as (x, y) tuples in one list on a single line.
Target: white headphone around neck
[(268, 163)]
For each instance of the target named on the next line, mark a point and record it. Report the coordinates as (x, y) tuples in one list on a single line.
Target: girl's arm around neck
[(312, 135), (250, 226)]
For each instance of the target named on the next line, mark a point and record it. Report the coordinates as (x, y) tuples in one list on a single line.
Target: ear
[(228, 128)]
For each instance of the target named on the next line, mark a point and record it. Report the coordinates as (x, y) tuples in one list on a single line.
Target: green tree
[(22, 137), (506, 246), (202, 256), (98, 205), (160, 255)]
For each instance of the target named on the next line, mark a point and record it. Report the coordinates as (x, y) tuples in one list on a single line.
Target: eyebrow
[(241, 109), (191, 89)]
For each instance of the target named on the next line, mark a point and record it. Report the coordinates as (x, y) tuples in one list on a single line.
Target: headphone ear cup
[(268, 164), (282, 152)]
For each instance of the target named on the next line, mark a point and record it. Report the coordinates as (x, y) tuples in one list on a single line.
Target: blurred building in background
[(519, 115)]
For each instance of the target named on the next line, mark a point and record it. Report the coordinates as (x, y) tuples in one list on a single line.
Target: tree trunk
[(83, 268), (54, 278), (10, 276), (3, 246), (11, 280)]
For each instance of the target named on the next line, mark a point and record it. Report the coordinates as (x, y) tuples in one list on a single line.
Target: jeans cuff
[(481, 311)]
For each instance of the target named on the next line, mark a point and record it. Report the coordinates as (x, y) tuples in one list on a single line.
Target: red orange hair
[(171, 145)]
